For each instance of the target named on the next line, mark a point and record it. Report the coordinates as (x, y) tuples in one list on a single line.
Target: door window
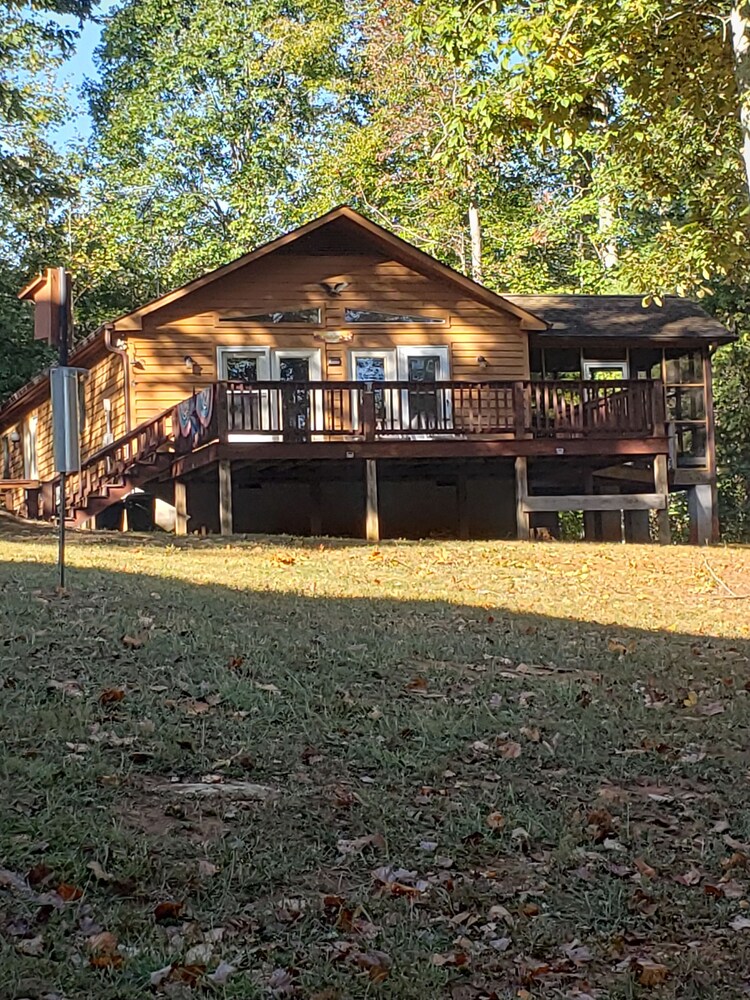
[(29, 449), (241, 368), (247, 406), (427, 405)]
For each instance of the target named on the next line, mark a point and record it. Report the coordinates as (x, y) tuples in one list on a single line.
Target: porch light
[(15, 437), (482, 361), (189, 363)]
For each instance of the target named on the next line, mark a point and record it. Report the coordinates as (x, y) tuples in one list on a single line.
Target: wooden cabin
[(339, 381)]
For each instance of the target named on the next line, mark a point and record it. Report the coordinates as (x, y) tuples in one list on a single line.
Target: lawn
[(282, 768)]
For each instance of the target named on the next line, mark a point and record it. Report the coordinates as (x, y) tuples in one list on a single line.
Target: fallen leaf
[(692, 699), (740, 923), (73, 689), (199, 954), (509, 750), (104, 943), (651, 973), (106, 961), (111, 695), (99, 872), (167, 911), (69, 893), (495, 821), (645, 868), (206, 869), (34, 947), (417, 685), (134, 641), (689, 878), (221, 973), (376, 963), (710, 708), (357, 845), (281, 982)]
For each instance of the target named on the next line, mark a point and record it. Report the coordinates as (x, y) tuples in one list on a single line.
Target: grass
[(497, 770)]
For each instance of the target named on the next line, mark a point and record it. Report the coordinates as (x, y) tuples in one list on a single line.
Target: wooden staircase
[(109, 475)]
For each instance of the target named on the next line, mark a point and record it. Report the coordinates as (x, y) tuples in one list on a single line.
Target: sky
[(72, 75)]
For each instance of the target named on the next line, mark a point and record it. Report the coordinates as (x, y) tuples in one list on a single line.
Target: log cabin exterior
[(339, 381)]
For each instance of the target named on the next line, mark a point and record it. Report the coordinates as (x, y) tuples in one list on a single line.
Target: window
[(292, 316), (376, 316), (30, 469)]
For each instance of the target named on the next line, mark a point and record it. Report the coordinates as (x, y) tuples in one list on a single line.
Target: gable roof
[(400, 250), (624, 317)]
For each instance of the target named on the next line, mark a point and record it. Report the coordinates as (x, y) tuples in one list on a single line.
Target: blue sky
[(74, 72)]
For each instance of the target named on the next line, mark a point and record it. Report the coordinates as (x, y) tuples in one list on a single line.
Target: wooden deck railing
[(300, 411)]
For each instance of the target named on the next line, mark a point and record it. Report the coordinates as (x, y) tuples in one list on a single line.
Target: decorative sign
[(334, 362), (334, 336)]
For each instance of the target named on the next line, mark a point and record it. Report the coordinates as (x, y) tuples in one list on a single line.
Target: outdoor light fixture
[(482, 361), (189, 363), (15, 437)]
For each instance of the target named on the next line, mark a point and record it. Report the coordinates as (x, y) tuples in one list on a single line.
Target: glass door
[(375, 366), (426, 406), (301, 406), (248, 406)]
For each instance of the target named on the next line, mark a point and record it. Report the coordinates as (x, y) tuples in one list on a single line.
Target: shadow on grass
[(410, 720)]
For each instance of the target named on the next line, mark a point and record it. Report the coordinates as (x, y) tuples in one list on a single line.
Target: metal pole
[(62, 361)]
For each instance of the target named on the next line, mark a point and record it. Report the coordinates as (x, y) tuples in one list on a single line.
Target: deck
[(342, 420)]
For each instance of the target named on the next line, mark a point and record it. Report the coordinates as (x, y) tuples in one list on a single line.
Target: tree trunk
[(475, 230), (740, 21), (609, 255)]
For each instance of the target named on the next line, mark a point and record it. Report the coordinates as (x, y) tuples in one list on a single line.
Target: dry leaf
[(71, 688), (167, 911), (740, 923), (710, 708), (495, 821), (221, 973), (360, 843), (103, 943), (376, 963), (114, 961), (281, 982), (645, 868), (206, 869), (111, 695), (69, 893), (98, 872), (651, 973), (509, 750), (134, 641), (199, 954), (417, 685), (692, 699), (34, 947)]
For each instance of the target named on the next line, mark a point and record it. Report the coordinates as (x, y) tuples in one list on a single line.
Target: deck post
[(522, 491), (701, 510), (372, 519), (180, 507), (661, 485), (226, 524)]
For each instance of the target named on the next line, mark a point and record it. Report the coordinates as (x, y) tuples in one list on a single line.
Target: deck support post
[(372, 518), (226, 523), (661, 485), (523, 529), (701, 510), (180, 507)]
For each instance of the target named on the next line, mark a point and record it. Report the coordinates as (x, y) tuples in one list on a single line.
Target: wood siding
[(199, 323)]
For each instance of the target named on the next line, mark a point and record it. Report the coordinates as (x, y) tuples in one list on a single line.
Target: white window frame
[(30, 459), (443, 352), (315, 357), (391, 375), (589, 364), (263, 354)]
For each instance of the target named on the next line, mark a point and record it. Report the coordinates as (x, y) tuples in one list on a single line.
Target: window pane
[(691, 444), (370, 369), (279, 316), (423, 369), (376, 316), (684, 366), (241, 369), (685, 404), (294, 369)]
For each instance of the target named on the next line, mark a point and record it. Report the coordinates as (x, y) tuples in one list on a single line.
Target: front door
[(427, 406), (375, 366), (301, 407), (247, 405)]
